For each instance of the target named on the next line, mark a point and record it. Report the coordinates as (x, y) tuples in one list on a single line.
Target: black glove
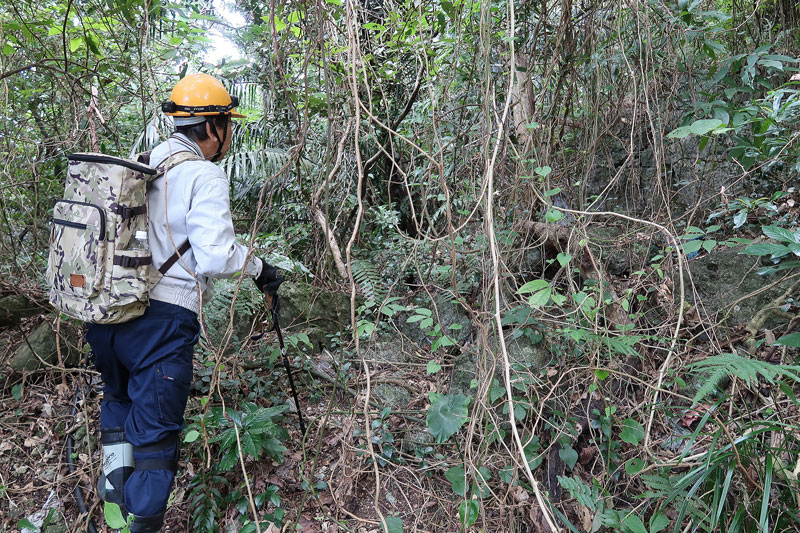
[(269, 280)]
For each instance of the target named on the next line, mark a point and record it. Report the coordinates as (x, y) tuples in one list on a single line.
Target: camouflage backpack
[(99, 269)]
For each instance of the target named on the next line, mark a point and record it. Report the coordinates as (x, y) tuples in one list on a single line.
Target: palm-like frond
[(250, 168), (156, 130)]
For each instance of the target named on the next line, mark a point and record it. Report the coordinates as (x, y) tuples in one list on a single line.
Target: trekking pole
[(272, 303)]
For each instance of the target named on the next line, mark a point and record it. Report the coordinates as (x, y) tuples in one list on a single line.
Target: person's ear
[(210, 131)]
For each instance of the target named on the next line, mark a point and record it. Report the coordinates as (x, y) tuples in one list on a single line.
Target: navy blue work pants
[(146, 365)]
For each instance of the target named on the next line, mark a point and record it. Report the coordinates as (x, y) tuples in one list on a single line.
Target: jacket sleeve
[(210, 230)]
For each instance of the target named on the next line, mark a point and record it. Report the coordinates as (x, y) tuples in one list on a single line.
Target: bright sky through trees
[(222, 47)]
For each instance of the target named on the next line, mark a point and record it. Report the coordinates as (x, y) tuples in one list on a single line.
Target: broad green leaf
[(568, 455), (692, 246), (280, 25), (24, 523), (468, 512), (658, 522), (543, 171), (446, 415), (533, 286), (552, 192), (563, 259), (634, 524), (481, 477), (739, 219), (365, 327), (16, 391), (553, 215), (540, 292), (791, 340), (709, 245), (93, 43), (76, 43), (191, 436), (632, 431), (458, 480), (538, 299), (766, 248), (634, 466), (771, 63), (703, 126), (249, 444), (432, 367), (113, 515), (393, 524), (532, 453), (601, 374), (444, 340), (506, 474), (679, 133), (779, 234)]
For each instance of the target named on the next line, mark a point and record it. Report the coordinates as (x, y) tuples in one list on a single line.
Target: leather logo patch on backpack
[(77, 280)]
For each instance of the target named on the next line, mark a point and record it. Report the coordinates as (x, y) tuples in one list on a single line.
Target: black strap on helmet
[(171, 107), (221, 141)]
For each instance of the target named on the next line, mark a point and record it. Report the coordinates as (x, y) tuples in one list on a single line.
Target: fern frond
[(368, 279), (584, 494), (744, 368)]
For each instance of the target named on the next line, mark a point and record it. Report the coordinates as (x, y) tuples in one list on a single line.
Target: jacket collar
[(181, 143)]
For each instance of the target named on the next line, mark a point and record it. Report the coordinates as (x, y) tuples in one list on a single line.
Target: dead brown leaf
[(586, 455), (587, 518)]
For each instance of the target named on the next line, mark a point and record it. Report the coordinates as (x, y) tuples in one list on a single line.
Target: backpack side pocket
[(76, 264)]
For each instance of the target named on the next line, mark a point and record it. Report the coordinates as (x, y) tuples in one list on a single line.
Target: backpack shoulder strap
[(172, 161), (174, 257), (175, 159)]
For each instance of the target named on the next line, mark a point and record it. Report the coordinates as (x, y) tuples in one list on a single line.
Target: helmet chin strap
[(220, 141)]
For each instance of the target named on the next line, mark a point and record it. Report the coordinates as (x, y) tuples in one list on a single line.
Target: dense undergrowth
[(514, 195)]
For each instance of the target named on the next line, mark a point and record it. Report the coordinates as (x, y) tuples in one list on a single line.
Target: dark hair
[(197, 132)]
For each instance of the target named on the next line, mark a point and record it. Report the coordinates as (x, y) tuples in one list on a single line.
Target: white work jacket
[(192, 201)]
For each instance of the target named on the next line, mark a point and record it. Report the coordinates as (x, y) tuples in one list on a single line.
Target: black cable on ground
[(71, 465)]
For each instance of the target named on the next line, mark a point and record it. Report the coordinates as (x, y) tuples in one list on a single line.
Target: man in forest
[(146, 364)]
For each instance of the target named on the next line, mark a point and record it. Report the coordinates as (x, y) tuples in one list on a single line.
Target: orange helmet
[(200, 95)]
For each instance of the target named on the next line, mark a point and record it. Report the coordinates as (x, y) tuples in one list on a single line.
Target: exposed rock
[(303, 304), (41, 343), (392, 395), (452, 317), (528, 352), (15, 307), (303, 308), (464, 371), (725, 276), (387, 352), (417, 438)]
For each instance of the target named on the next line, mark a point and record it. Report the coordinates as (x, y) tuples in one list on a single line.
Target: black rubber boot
[(147, 524), (117, 465)]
